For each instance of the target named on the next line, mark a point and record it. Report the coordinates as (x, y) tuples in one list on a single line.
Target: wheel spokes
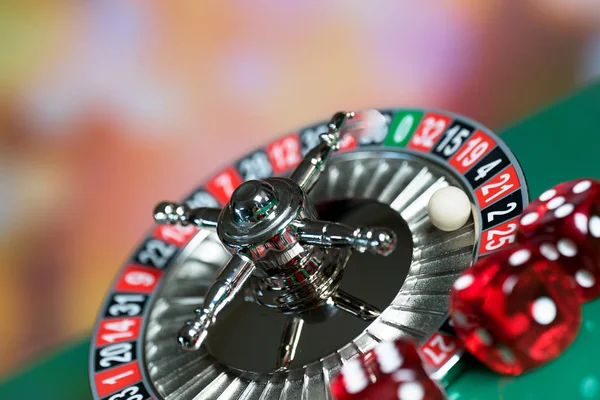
[(355, 306), (289, 341)]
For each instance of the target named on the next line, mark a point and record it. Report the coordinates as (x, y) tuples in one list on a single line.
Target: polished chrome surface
[(252, 202), (272, 230), (411, 292), (254, 239), (171, 213), (355, 306), (289, 341), (379, 241), (304, 288), (308, 172), (221, 292)]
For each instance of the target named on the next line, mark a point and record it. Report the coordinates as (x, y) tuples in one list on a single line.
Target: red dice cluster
[(521, 307), (515, 309), (391, 371)]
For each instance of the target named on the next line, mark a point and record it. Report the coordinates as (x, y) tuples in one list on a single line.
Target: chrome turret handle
[(381, 241), (171, 213), (221, 292), (271, 226), (309, 170)]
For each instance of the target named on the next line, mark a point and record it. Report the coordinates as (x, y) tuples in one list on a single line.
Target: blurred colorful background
[(108, 106)]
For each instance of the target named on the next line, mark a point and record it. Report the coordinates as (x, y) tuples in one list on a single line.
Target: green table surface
[(552, 146)]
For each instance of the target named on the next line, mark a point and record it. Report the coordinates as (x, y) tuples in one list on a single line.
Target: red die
[(567, 218), (574, 258), (515, 310), (358, 375), (352, 381), (388, 357), (404, 384)]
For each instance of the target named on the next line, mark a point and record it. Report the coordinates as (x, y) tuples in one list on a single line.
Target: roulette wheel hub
[(270, 226), (282, 299)]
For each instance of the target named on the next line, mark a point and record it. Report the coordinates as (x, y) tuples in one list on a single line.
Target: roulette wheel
[(555, 145), (304, 254)]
